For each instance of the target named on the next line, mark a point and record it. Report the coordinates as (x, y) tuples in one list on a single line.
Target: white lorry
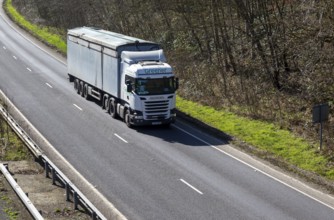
[(128, 75)]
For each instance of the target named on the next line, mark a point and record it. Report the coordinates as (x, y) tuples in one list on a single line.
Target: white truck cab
[(149, 88)]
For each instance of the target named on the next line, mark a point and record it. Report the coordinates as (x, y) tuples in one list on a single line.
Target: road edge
[(103, 204)]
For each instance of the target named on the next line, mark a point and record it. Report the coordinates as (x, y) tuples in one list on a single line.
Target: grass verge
[(42, 33), (11, 149), (11, 146), (262, 135)]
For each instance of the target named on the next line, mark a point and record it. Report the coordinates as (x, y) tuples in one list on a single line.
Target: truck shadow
[(190, 135)]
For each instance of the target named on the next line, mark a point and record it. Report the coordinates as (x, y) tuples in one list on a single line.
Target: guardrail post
[(46, 166), (76, 200), (94, 216), (53, 172), (67, 188)]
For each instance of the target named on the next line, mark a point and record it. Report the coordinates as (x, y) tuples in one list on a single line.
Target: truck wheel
[(85, 92), (81, 88), (127, 118), (105, 103), (76, 85), (112, 110), (70, 78)]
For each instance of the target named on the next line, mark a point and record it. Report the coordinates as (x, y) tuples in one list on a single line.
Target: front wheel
[(127, 119)]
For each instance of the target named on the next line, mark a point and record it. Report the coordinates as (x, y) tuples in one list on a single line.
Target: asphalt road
[(147, 173)]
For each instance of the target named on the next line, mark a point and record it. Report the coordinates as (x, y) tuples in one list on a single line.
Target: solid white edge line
[(192, 187), (257, 169), (49, 85), (67, 163), (77, 107), (187, 132), (120, 138)]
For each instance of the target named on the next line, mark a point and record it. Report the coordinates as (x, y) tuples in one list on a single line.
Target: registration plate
[(156, 123)]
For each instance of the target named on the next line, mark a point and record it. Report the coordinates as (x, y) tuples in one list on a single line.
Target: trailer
[(129, 76)]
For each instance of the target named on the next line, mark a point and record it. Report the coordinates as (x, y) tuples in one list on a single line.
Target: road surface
[(147, 173)]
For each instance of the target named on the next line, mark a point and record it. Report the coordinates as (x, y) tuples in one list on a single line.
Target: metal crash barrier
[(18, 190), (57, 175)]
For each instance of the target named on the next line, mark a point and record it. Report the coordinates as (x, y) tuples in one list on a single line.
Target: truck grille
[(155, 110)]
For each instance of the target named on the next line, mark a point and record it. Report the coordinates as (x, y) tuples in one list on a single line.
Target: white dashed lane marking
[(49, 85), (77, 107), (191, 186)]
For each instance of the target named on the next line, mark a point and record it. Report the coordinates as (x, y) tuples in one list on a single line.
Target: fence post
[(53, 176)]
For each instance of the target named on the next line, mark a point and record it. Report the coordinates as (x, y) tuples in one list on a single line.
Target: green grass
[(262, 135), (11, 213), (15, 149), (42, 33)]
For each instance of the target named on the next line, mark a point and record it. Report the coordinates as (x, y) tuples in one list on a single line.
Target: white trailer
[(128, 75)]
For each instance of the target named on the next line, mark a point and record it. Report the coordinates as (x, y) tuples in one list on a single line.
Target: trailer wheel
[(81, 88), (85, 92), (70, 78), (76, 85), (127, 118), (105, 103), (112, 110)]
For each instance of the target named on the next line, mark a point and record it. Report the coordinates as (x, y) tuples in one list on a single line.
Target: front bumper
[(141, 122)]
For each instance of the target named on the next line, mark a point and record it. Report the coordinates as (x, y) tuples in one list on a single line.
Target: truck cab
[(149, 88)]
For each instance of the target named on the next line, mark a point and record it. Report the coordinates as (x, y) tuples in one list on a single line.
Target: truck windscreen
[(154, 86)]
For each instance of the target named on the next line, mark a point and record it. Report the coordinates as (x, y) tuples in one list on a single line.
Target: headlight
[(138, 115)]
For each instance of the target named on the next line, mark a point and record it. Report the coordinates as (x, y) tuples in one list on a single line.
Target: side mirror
[(128, 86)]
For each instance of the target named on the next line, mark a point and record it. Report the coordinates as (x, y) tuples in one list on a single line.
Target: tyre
[(70, 78), (81, 88), (76, 85), (105, 103), (85, 92), (127, 118), (112, 109)]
